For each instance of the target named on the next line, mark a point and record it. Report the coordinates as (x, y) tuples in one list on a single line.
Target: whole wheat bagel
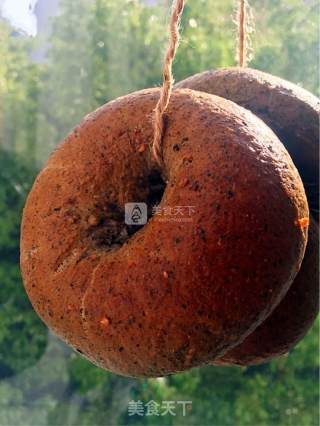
[(290, 111), (172, 295), (291, 320), (293, 114)]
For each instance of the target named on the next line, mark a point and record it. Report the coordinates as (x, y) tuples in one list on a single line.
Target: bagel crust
[(291, 320), (173, 295), (290, 111)]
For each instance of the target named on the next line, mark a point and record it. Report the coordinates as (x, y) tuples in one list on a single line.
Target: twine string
[(245, 27), (242, 39), (168, 81)]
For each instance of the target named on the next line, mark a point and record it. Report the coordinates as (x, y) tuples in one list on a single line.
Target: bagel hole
[(156, 187), (109, 231)]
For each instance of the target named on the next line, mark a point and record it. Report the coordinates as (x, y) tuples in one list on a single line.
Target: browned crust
[(290, 111), (291, 320), (175, 295)]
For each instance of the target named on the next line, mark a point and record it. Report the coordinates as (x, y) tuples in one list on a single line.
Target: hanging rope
[(168, 81), (245, 27), (242, 47)]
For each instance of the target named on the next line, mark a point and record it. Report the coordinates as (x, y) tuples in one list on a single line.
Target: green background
[(100, 50)]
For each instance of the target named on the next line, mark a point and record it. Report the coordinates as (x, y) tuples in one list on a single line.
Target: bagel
[(290, 321), (172, 295), (290, 111)]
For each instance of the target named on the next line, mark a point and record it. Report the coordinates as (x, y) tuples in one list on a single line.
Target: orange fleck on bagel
[(303, 222)]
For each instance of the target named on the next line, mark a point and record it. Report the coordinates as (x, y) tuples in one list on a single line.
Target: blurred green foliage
[(100, 50), (22, 336)]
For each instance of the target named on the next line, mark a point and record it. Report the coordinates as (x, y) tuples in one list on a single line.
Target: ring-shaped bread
[(177, 293)]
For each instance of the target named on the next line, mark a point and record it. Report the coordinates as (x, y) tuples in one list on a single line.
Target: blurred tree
[(208, 37), (286, 41), (66, 95), (19, 90), (22, 335), (126, 39)]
